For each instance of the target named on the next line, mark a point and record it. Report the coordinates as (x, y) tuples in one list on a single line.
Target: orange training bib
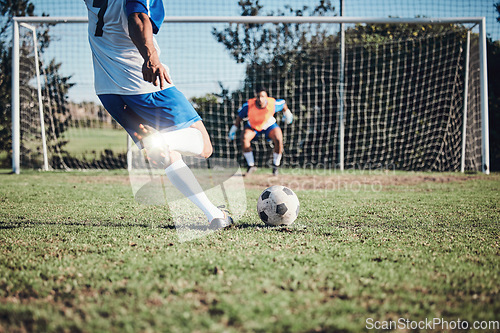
[(258, 117)]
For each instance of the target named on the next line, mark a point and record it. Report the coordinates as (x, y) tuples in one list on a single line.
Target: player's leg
[(141, 120), (246, 145), (138, 115), (276, 135), (207, 144), (181, 176), (191, 141), (169, 112)]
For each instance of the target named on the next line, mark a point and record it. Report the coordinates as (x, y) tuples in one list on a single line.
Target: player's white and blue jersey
[(279, 105), (153, 8), (119, 81), (117, 62)]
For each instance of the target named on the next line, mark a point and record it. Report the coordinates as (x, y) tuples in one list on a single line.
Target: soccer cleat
[(221, 223), (275, 170), (251, 169)]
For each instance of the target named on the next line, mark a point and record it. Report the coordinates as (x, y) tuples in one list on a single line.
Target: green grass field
[(78, 254), (99, 139)]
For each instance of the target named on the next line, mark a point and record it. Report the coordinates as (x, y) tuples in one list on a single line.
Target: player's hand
[(144, 131), (232, 133), (288, 117), (153, 71)]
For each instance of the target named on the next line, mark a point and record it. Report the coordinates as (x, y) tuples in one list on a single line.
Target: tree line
[(296, 61)]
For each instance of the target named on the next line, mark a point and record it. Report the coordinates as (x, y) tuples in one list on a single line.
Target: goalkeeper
[(260, 113), (136, 89)]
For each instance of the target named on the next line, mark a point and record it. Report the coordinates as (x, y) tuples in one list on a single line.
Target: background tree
[(8, 9), (273, 54), (289, 58)]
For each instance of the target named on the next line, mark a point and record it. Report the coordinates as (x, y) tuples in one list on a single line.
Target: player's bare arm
[(141, 33), (237, 121)]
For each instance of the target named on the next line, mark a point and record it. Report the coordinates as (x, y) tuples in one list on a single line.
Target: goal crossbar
[(270, 19), (479, 21)]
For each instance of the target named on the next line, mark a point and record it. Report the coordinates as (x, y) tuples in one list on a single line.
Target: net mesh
[(405, 103), (79, 133), (354, 8)]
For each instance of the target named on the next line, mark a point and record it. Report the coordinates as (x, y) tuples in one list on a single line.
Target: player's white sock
[(249, 158), (276, 159), (186, 141), (184, 180)]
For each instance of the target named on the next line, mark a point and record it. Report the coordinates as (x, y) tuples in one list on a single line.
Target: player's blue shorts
[(265, 132), (165, 110)]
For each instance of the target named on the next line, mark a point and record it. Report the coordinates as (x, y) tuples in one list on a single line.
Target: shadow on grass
[(30, 224), (250, 225), (260, 226)]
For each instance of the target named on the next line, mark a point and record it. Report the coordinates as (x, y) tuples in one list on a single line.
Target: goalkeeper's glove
[(288, 117), (232, 133)]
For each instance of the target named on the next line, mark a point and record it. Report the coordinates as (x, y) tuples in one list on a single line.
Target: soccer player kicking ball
[(260, 113), (136, 89)]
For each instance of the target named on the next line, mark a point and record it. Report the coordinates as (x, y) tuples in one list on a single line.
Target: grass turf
[(99, 139), (79, 254)]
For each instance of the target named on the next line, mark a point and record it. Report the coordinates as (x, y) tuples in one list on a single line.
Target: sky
[(197, 62)]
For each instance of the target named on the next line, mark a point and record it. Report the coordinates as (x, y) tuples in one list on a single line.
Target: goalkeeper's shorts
[(165, 110), (265, 131)]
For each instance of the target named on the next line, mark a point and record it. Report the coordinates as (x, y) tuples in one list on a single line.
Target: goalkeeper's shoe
[(221, 223), (251, 169), (275, 170)]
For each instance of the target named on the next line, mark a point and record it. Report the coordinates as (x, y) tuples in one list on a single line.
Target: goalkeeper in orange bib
[(260, 113)]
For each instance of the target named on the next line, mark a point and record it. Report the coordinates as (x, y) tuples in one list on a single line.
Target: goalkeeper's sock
[(184, 180), (249, 158), (277, 159), (186, 141)]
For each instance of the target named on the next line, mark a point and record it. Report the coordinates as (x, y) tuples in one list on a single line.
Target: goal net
[(398, 95)]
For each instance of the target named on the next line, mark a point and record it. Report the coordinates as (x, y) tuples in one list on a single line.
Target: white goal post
[(478, 21)]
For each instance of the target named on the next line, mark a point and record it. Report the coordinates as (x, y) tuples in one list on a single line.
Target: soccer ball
[(278, 205)]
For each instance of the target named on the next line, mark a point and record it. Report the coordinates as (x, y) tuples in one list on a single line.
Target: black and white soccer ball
[(278, 205)]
